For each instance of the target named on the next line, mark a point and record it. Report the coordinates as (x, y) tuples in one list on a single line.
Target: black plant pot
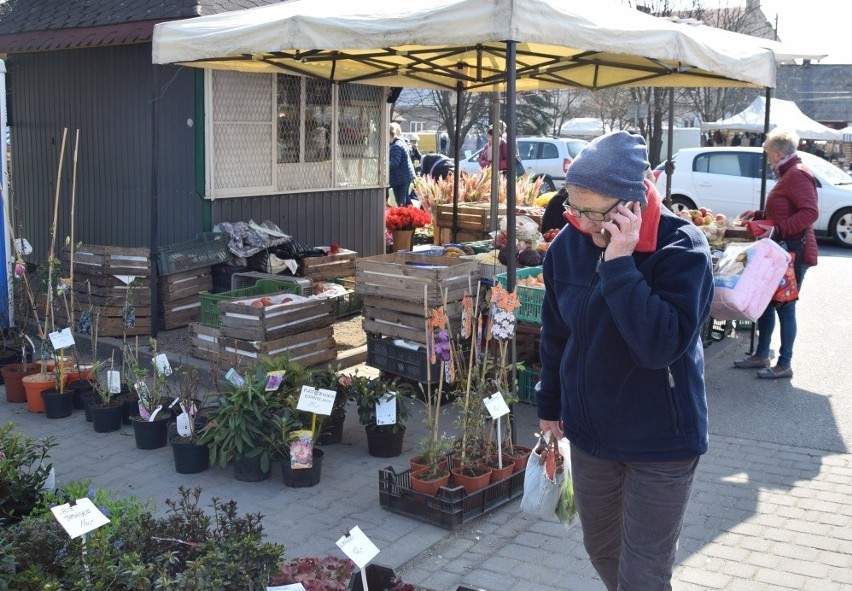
[(130, 402), (249, 470), (89, 398), (384, 445), (302, 477), (190, 458), (332, 429), (378, 577), (78, 389), (106, 418), (57, 405), (151, 434)]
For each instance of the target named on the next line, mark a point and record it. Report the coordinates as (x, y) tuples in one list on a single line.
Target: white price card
[(386, 410), (114, 381), (183, 425), (161, 362), (358, 547), (61, 339), (79, 519), (496, 405), (293, 587), (316, 400)]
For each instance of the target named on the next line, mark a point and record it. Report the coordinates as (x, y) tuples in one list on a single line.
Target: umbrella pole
[(763, 161), (457, 173)]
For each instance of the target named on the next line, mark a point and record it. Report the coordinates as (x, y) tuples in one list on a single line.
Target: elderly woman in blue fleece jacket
[(628, 286)]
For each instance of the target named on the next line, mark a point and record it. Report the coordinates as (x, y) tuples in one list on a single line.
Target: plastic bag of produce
[(745, 279)]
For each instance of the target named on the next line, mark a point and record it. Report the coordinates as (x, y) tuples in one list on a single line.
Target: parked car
[(727, 180), (548, 157)]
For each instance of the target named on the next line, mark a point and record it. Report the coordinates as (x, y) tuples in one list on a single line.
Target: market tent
[(784, 114), (846, 134), (465, 45), (438, 43), (583, 127)]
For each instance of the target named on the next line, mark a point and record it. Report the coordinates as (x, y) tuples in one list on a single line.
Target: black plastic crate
[(452, 507), (383, 354), (714, 331)]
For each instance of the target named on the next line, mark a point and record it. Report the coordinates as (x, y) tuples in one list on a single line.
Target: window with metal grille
[(269, 134)]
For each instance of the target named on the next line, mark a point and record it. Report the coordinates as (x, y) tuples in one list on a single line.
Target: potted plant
[(23, 472), (106, 410), (294, 444), (383, 440), (184, 435), (332, 428), (151, 420), (402, 221)]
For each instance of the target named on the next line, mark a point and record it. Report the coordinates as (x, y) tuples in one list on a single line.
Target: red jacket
[(793, 206)]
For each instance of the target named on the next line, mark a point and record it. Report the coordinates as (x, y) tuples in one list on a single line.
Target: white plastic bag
[(525, 228)]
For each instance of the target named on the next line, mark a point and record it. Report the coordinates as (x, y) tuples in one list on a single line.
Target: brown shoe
[(753, 362), (775, 373)]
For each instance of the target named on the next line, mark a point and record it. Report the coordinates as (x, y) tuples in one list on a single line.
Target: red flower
[(406, 218)]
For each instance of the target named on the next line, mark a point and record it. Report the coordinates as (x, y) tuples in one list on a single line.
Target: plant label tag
[(154, 414), (142, 389), (358, 547), (273, 381), (80, 519), (61, 339), (301, 450), (183, 425), (235, 378), (161, 362), (496, 405), (114, 381), (293, 587), (386, 410), (316, 400)]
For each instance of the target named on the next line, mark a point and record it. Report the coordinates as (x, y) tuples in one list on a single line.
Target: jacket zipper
[(672, 404), (582, 380)]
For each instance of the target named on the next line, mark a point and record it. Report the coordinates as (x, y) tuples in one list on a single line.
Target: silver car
[(727, 180)]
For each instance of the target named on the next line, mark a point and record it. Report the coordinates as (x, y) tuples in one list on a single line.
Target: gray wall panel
[(352, 218)]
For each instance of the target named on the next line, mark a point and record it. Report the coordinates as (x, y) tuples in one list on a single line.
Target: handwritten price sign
[(80, 519), (357, 547), (316, 400)]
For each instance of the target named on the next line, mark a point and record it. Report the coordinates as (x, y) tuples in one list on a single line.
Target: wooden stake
[(48, 313), (73, 201)]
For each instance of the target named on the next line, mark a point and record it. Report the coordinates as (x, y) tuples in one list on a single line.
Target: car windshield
[(828, 171)]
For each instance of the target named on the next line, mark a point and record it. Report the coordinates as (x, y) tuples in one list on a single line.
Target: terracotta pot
[(83, 373), (428, 487), (402, 239), (34, 385), (418, 463), (12, 376), (472, 482), (498, 473), (519, 455)]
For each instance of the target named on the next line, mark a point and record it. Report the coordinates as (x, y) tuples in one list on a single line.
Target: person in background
[(400, 167), (791, 209), (437, 166), (485, 155), (628, 287), (414, 152)]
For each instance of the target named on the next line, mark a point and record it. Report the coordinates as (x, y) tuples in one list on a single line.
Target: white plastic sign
[(114, 381), (496, 405), (293, 587), (161, 362), (80, 519), (386, 410), (61, 339), (316, 400), (183, 425), (357, 547)]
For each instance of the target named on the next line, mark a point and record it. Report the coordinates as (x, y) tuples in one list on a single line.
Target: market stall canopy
[(784, 114), (846, 134), (584, 127), (437, 43)]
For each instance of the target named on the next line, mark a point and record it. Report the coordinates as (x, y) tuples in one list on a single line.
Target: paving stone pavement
[(762, 515)]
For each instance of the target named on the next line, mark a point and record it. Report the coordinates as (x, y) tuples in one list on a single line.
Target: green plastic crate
[(527, 379), (479, 246), (530, 298), (210, 301), (346, 304)]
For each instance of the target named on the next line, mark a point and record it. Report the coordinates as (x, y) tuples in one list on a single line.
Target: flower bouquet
[(406, 218)]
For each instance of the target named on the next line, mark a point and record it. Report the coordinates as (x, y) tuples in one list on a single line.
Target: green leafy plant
[(369, 391), (23, 471)]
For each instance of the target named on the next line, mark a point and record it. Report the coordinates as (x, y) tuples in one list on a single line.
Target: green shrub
[(23, 471)]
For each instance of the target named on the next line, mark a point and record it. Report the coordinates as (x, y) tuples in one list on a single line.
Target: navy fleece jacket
[(621, 351)]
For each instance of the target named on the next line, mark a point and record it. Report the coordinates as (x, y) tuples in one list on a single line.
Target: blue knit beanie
[(613, 165)]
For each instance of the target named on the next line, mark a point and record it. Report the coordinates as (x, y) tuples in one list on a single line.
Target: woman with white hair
[(791, 210), (400, 167)]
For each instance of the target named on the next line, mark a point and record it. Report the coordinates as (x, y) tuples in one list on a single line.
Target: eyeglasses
[(595, 216)]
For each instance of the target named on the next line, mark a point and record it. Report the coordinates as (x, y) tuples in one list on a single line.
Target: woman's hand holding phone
[(621, 231)]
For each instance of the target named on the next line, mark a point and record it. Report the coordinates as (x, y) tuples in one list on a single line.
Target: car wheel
[(681, 203), (547, 186), (841, 227)]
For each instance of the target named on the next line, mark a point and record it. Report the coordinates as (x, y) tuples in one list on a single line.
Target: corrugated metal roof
[(64, 24)]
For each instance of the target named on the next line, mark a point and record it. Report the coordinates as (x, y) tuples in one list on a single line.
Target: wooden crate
[(179, 303), (394, 286), (333, 266), (307, 348), (269, 323), (474, 219), (109, 290), (204, 342), (110, 260), (110, 319)]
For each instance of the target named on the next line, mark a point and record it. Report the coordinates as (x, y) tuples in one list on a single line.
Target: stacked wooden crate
[(474, 220), (302, 329), (179, 303), (332, 266), (114, 284)]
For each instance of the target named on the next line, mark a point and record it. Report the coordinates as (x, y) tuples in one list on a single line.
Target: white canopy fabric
[(437, 43), (583, 127), (782, 113), (846, 134)]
